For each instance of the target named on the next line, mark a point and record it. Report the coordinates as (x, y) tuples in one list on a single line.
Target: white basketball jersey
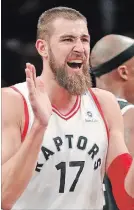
[(71, 163)]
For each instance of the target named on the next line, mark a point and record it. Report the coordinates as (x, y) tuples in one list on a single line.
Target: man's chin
[(77, 92), (74, 70)]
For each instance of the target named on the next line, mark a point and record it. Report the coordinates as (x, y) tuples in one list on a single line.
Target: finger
[(31, 93), (33, 71), (34, 74), (28, 73), (29, 81), (29, 66)]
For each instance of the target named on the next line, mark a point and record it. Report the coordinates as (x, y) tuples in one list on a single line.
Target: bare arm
[(115, 124), (129, 140), (19, 159), (129, 130), (122, 178), (17, 163)]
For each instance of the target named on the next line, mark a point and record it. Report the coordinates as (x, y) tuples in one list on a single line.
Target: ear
[(41, 47), (123, 72)]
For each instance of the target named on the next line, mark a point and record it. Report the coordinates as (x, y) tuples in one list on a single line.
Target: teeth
[(75, 61)]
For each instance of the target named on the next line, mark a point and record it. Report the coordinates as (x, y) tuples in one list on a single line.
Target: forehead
[(72, 27)]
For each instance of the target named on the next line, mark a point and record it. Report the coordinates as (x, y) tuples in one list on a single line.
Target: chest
[(82, 137)]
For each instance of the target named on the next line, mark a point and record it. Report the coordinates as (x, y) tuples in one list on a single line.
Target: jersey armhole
[(100, 110), (26, 122), (126, 108)]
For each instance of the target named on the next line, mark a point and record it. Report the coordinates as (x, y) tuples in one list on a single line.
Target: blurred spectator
[(119, 81)]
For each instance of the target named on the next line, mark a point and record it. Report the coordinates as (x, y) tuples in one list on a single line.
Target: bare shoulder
[(109, 106), (129, 113), (12, 104), (12, 118), (128, 117), (9, 94), (104, 96)]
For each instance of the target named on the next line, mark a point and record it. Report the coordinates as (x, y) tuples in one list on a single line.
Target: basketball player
[(118, 80), (58, 134)]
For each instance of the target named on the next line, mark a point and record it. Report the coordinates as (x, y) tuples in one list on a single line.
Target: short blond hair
[(44, 27)]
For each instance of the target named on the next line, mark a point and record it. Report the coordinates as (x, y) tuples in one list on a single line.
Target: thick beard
[(77, 83)]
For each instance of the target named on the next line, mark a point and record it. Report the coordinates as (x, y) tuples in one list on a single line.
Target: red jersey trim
[(100, 110), (26, 123), (72, 112)]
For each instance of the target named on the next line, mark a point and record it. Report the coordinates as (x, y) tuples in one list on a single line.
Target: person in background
[(112, 64)]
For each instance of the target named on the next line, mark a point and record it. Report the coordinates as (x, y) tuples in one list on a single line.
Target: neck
[(113, 87), (119, 93), (59, 97)]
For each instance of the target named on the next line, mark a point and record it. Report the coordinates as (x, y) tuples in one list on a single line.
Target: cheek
[(87, 51), (63, 55), (62, 51), (130, 85)]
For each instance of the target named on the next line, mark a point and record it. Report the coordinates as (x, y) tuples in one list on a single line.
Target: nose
[(79, 48)]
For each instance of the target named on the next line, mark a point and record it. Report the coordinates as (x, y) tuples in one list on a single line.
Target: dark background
[(19, 20)]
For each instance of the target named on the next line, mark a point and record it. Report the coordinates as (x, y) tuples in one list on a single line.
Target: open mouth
[(75, 64)]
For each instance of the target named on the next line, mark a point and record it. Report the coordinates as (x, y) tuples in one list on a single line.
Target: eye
[(85, 40), (68, 40)]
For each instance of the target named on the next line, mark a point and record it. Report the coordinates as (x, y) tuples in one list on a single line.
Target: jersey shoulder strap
[(124, 105)]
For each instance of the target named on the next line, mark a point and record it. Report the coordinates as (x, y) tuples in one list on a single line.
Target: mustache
[(76, 55)]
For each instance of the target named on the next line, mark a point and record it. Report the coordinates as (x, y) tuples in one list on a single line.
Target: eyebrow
[(73, 36)]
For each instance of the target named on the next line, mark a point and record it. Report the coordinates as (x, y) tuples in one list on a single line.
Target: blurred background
[(19, 20)]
